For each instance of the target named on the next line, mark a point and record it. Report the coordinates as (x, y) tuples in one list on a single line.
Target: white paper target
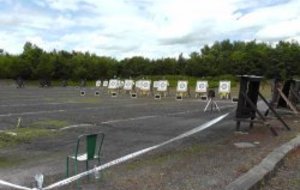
[(105, 83), (224, 87), (98, 83), (138, 84), (201, 86), (163, 86), (155, 84), (182, 86), (113, 84), (128, 84), (145, 85)]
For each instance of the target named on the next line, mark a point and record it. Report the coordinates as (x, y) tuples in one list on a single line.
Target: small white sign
[(224, 87), (145, 85), (113, 84), (163, 86), (138, 84), (105, 83), (182, 86), (155, 84), (128, 84), (98, 83), (201, 86)]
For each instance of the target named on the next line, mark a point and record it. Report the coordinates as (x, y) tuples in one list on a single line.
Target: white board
[(163, 86), (201, 86), (138, 84), (155, 84), (224, 87), (145, 85), (105, 83), (113, 84), (182, 86), (128, 84), (98, 83)]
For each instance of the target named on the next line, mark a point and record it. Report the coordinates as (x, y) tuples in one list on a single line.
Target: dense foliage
[(221, 58)]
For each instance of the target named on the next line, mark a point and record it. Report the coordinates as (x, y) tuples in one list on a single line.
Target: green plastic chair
[(91, 151)]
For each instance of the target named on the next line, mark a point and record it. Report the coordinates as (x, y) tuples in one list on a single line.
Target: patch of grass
[(50, 124), (23, 135), (6, 162)]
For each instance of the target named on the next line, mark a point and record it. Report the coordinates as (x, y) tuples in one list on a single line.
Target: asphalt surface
[(129, 124)]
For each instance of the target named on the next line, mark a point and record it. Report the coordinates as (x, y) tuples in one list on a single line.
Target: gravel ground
[(287, 177), (206, 160)]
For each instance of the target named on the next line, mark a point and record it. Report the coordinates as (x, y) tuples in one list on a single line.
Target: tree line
[(223, 57)]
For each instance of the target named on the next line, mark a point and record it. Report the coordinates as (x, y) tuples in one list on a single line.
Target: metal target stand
[(211, 103)]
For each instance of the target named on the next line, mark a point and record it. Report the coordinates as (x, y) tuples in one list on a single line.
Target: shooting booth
[(247, 104), (289, 95)]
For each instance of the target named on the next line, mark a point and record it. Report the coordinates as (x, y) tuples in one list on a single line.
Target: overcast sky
[(151, 28)]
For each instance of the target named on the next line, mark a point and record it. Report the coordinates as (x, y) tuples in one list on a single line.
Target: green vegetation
[(222, 58), (6, 162), (22, 135), (52, 124)]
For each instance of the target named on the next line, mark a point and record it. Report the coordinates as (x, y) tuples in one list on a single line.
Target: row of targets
[(160, 88)]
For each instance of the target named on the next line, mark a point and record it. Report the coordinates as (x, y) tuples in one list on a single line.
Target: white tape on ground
[(7, 184), (76, 126), (135, 154)]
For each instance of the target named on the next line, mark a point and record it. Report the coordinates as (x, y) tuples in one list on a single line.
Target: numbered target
[(113, 84), (145, 85), (128, 84), (98, 83), (182, 86), (201, 86), (105, 83), (162, 86), (224, 87)]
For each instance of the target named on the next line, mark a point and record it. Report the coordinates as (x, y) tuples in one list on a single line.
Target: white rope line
[(5, 183), (135, 154)]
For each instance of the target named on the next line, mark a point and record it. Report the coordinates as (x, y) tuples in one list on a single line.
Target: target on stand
[(98, 83), (201, 86), (113, 84), (224, 87), (105, 83), (182, 86), (128, 84), (163, 86), (156, 84), (146, 85)]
